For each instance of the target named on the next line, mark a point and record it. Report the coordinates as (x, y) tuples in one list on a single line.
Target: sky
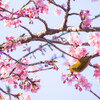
[(52, 87)]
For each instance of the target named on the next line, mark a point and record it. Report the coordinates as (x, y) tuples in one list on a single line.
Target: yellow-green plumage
[(81, 64)]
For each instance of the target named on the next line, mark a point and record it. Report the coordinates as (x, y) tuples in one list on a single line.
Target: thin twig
[(41, 62), (44, 22), (40, 70), (64, 24), (96, 16), (3, 9), (32, 52), (95, 94), (73, 14), (14, 95), (28, 31), (57, 5), (59, 49)]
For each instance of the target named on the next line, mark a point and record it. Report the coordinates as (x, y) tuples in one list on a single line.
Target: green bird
[(81, 64)]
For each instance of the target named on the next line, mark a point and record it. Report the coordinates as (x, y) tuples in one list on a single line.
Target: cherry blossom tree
[(68, 40)]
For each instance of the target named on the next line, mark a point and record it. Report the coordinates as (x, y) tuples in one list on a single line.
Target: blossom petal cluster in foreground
[(78, 80)]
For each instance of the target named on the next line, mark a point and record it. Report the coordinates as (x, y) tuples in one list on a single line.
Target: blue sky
[(52, 87)]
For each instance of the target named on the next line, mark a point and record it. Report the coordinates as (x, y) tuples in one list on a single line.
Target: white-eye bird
[(81, 64)]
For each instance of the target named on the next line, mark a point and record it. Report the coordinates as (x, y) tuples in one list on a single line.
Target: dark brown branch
[(38, 36), (59, 49), (52, 41), (86, 29), (40, 70), (4, 10), (73, 14), (93, 66), (57, 5), (66, 15), (96, 16), (44, 22), (32, 82), (24, 5), (14, 95), (95, 94), (27, 30), (41, 62), (31, 52)]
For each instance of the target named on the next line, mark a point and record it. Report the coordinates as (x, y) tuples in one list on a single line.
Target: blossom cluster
[(11, 43), (18, 73), (9, 21), (81, 81), (52, 63), (15, 23), (33, 12), (97, 72), (26, 97), (77, 52), (76, 49), (94, 40), (86, 21), (75, 40)]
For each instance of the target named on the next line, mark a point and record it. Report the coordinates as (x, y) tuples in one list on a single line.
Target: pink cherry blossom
[(71, 50), (88, 86), (39, 3), (97, 73), (94, 40), (32, 12), (94, 35), (84, 82), (15, 23), (11, 44), (79, 51), (57, 12), (7, 98), (0, 3), (76, 52), (43, 8), (79, 80), (6, 4), (77, 86), (26, 97), (74, 39), (85, 18), (87, 22), (63, 5), (8, 23), (24, 74)]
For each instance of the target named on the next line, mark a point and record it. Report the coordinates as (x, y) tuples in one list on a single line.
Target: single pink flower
[(6, 4), (26, 97), (57, 12)]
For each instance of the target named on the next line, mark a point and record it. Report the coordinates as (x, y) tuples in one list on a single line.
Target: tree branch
[(66, 15), (95, 94), (27, 30), (57, 5), (41, 62), (14, 95), (59, 49), (44, 22), (96, 16), (38, 36), (40, 70)]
